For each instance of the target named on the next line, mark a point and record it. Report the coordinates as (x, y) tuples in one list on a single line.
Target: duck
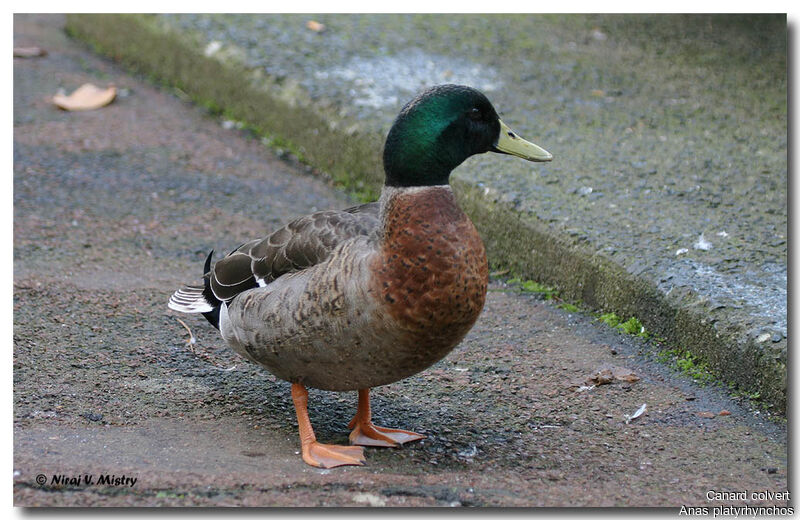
[(352, 299)]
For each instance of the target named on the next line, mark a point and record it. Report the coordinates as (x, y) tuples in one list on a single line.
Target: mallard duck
[(362, 297)]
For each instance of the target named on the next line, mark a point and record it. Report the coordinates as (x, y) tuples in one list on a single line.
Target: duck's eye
[(475, 114)]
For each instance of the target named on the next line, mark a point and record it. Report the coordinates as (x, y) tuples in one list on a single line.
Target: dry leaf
[(604, 375), (724, 412), (315, 26), (706, 415), (626, 375), (29, 52), (609, 373), (86, 97)]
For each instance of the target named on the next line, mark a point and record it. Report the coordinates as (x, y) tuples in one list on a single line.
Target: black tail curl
[(208, 294)]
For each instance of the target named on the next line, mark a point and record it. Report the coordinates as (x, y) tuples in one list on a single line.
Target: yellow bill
[(512, 144)]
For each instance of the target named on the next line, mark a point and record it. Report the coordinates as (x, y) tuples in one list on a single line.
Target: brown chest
[(431, 274)]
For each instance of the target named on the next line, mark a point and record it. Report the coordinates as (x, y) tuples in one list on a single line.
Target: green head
[(439, 129)]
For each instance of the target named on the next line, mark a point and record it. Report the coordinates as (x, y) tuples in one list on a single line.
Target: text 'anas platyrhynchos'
[(356, 298)]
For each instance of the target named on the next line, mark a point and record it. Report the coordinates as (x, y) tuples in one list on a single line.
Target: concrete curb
[(514, 240)]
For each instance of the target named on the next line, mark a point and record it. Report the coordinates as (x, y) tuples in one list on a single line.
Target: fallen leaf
[(637, 413), (706, 415), (86, 97), (29, 52), (315, 26), (604, 375), (628, 377), (609, 373), (724, 412)]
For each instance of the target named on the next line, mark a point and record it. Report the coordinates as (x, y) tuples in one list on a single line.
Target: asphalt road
[(115, 208)]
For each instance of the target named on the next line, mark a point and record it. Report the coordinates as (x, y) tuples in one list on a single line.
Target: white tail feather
[(189, 299)]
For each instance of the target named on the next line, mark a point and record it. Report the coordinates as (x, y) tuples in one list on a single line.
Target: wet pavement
[(115, 208)]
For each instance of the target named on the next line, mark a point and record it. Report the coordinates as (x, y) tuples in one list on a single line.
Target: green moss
[(630, 326), (533, 286), (687, 364), (635, 327), (569, 307), (752, 396), (610, 319)]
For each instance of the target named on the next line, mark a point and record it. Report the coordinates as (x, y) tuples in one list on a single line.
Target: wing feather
[(298, 245)]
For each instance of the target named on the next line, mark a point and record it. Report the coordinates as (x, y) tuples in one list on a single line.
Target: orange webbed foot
[(331, 455), (317, 454), (367, 434)]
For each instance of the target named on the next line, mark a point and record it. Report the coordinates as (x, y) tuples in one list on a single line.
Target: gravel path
[(115, 208)]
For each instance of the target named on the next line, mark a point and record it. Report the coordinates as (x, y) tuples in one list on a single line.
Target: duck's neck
[(390, 195)]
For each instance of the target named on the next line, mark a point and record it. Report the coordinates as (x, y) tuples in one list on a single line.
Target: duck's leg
[(315, 453), (367, 434)]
